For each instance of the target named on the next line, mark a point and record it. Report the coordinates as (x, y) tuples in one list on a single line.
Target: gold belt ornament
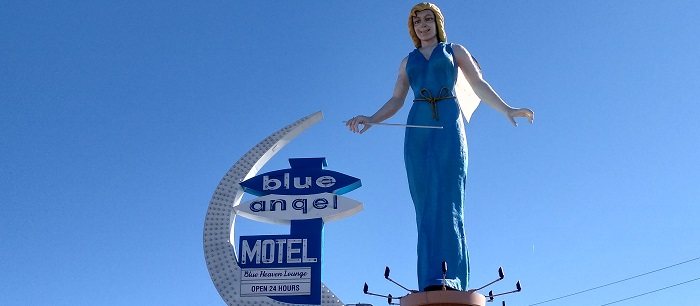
[(427, 96)]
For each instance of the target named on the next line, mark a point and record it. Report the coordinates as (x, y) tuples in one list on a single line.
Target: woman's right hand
[(354, 124)]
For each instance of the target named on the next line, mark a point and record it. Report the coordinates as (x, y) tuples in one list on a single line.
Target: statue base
[(444, 298)]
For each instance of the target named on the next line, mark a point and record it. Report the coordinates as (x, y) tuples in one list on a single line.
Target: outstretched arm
[(483, 90), (389, 108)]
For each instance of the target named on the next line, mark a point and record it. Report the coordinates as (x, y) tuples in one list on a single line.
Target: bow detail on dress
[(427, 96)]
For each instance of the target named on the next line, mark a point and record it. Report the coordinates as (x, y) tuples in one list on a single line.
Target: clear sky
[(119, 118)]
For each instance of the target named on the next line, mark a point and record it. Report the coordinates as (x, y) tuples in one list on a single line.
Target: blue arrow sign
[(306, 176)]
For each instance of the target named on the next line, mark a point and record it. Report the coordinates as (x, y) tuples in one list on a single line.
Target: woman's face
[(424, 25)]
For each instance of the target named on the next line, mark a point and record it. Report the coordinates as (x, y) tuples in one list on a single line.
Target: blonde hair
[(439, 22)]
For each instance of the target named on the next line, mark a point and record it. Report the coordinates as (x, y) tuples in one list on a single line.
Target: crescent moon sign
[(219, 251)]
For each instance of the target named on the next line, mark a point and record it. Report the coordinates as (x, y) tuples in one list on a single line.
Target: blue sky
[(119, 118)]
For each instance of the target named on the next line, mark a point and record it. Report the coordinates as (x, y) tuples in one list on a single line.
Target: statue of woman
[(436, 158)]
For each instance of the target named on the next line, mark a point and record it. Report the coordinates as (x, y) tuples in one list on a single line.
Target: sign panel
[(306, 176), (283, 208), (276, 281), (287, 268)]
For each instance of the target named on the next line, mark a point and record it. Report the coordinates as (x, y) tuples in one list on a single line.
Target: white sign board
[(275, 281), (281, 209)]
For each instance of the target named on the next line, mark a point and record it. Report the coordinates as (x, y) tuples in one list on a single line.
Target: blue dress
[(436, 167)]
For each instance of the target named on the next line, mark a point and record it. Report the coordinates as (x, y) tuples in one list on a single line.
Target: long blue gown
[(436, 167)]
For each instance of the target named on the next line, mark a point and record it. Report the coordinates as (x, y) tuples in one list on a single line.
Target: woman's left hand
[(520, 112)]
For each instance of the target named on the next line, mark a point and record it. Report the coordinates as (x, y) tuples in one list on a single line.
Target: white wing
[(466, 97)]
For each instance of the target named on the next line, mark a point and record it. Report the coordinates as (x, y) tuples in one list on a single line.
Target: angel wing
[(466, 97)]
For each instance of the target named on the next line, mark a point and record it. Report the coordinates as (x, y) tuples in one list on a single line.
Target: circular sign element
[(219, 251)]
